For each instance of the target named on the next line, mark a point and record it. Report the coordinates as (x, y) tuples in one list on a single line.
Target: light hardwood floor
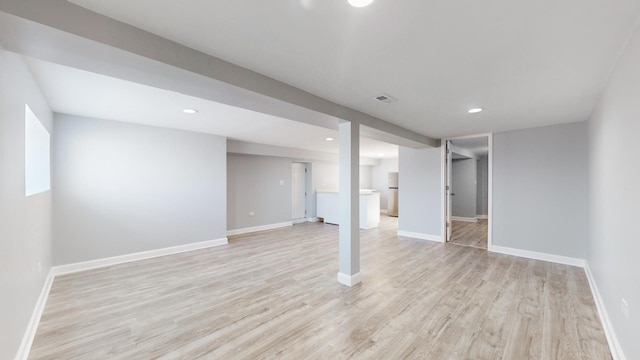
[(274, 294), (469, 234)]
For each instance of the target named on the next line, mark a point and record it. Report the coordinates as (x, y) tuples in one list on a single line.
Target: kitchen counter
[(328, 208)]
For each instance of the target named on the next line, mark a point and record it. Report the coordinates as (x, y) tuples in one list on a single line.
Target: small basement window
[(37, 160)]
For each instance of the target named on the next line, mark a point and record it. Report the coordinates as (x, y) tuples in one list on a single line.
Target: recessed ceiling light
[(360, 3), (330, 139), (190, 111), (475, 110)]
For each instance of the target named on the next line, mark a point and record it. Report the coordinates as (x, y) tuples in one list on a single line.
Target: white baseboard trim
[(259, 228), (420, 236), (298, 221), (30, 333), (349, 280), (538, 256), (313, 219), (466, 219), (482, 217), (32, 327), (115, 260), (384, 211), (612, 339)]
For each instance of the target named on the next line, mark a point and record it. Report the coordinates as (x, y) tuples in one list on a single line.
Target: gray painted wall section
[(25, 222), (464, 202), (482, 206), (420, 201), (614, 237), (254, 186), (540, 189), (123, 188)]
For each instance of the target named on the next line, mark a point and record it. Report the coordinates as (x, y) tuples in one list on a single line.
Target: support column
[(349, 232)]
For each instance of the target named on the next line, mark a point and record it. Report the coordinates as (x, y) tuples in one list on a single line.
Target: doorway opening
[(467, 191)]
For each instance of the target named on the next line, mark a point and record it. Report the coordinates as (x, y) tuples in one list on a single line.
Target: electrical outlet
[(281, 182), (625, 308), (252, 213)]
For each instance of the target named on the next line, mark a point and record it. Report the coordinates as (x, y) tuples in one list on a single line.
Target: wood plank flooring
[(469, 233), (274, 294)]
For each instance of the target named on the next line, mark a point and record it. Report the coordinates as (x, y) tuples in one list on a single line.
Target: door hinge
[(447, 187)]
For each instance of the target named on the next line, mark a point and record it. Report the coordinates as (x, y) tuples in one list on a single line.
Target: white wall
[(380, 178), (325, 176), (613, 249), (25, 222), (420, 188), (540, 189), (365, 176), (254, 186), (123, 188)]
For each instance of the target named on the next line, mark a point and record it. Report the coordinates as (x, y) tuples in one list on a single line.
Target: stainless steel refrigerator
[(392, 194)]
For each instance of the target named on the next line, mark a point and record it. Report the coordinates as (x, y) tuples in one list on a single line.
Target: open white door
[(298, 191), (449, 156)]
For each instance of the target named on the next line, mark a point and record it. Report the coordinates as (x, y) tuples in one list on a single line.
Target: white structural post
[(349, 233)]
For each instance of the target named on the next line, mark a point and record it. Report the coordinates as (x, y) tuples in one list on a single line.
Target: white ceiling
[(528, 63), (78, 92)]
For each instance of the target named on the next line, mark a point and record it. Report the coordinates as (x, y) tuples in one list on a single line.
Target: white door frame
[(306, 192), (443, 183), (448, 189)]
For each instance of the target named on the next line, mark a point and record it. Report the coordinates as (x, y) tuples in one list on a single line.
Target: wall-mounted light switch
[(252, 213), (281, 182), (625, 308)]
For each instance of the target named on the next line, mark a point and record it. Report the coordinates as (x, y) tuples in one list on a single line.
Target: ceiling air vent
[(386, 98)]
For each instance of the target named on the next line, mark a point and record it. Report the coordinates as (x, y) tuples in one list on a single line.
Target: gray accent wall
[(420, 188), (123, 188), (25, 222), (540, 189), (254, 186), (613, 248), (464, 202), (482, 205)]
